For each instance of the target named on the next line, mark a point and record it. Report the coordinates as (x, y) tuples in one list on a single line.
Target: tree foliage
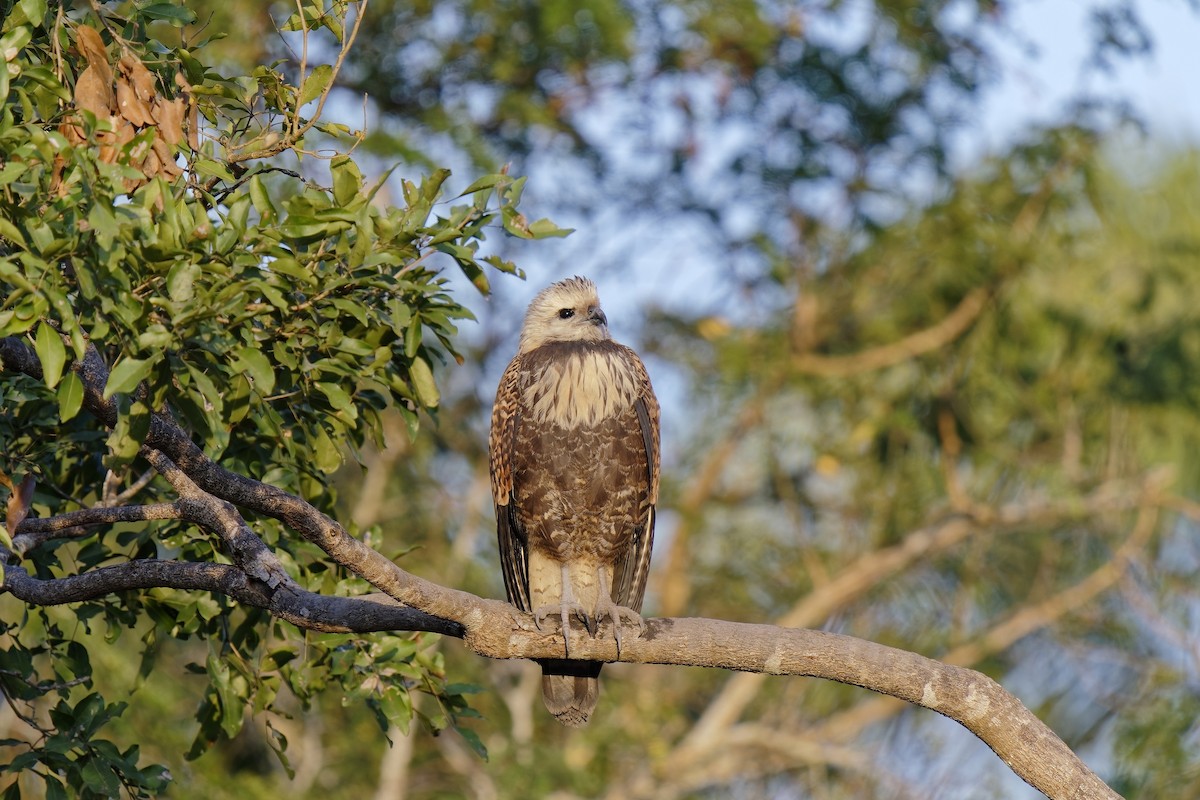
[(151, 235)]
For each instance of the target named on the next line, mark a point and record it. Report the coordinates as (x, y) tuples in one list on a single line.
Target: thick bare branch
[(873, 567), (974, 700), (300, 607)]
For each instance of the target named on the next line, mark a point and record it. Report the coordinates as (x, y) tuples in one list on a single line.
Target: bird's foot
[(563, 611), (607, 609)]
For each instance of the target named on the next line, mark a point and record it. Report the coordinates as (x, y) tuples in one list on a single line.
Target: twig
[(34, 532)]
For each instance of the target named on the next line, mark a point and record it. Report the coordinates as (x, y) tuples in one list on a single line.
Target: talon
[(563, 611), (605, 607), (540, 615)]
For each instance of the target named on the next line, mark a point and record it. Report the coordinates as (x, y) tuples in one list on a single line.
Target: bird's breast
[(578, 388)]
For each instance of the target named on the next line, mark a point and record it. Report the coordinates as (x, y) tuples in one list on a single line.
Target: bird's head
[(567, 311)]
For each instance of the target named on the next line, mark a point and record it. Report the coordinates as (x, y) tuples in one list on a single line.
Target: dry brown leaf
[(163, 151), (152, 165), (110, 146), (91, 46), (192, 111), (142, 78), (125, 134), (95, 93), (193, 129), (169, 116), (56, 172), (72, 132), (131, 106), (19, 503)]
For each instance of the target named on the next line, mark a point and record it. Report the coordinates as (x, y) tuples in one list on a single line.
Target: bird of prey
[(574, 464)]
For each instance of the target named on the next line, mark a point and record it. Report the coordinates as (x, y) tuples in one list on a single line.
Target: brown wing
[(513, 543), (633, 568)]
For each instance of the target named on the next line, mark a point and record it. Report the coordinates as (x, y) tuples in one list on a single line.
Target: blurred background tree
[(945, 407)]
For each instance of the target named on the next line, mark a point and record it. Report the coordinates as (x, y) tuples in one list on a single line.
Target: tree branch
[(843, 726), (34, 531), (300, 607), (981, 705), (703, 766), (873, 567), (924, 341)]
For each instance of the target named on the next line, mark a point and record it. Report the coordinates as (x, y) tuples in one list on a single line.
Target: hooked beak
[(596, 316)]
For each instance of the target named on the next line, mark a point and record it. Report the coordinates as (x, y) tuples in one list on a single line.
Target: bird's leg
[(567, 605), (606, 607)]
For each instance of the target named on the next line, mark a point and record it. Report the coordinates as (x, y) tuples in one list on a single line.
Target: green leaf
[(544, 228), (70, 396), (16, 39), (213, 169), (181, 279), (157, 336), (262, 199), (423, 383), (329, 458), (412, 338), (472, 739), (122, 445), (126, 375), (257, 366), (338, 398), (7, 229), (347, 180), (51, 353), (486, 182), (54, 788), (99, 776), (316, 83), (168, 12), (35, 10), (230, 700), (396, 706)]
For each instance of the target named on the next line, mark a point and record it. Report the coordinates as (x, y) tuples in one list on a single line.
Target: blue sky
[(1165, 87)]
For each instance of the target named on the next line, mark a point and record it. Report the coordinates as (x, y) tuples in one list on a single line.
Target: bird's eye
[(566, 313)]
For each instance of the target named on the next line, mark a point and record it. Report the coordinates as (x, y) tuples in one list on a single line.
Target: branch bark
[(302, 608)]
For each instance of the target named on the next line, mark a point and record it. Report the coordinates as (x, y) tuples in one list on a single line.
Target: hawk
[(574, 464)]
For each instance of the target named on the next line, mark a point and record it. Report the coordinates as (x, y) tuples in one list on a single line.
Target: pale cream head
[(567, 311)]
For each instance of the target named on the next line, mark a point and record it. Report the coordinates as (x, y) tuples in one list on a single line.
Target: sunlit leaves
[(70, 396), (176, 15), (126, 375), (315, 83), (51, 354), (423, 383), (78, 756), (275, 318)]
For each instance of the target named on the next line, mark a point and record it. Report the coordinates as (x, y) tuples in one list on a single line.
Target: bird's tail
[(571, 689)]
